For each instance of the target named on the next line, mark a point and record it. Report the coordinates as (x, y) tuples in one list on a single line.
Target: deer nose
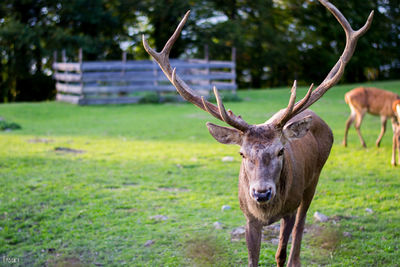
[(262, 195)]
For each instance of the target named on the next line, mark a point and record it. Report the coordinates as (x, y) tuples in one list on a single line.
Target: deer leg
[(398, 149), (297, 233), (349, 121), (286, 228), (359, 118), (253, 241), (394, 146), (383, 130)]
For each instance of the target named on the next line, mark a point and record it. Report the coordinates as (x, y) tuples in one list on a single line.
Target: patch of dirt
[(64, 262), (40, 140), (270, 232), (319, 236), (69, 150), (327, 238), (203, 251)]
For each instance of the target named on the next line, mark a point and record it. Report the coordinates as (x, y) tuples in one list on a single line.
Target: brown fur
[(396, 134), (303, 162), (374, 101), (394, 108)]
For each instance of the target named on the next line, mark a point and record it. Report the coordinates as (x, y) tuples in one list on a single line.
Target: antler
[(336, 72), (184, 90)]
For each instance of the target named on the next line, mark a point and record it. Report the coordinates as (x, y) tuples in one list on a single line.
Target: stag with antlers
[(282, 158)]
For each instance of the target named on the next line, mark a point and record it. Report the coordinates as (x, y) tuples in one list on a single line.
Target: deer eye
[(280, 153)]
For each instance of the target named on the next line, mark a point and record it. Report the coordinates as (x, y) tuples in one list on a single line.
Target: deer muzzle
[(262, 195)]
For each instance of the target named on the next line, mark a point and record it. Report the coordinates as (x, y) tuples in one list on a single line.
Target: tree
[(31, 30)]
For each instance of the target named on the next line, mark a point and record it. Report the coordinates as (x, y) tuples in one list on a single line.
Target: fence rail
[(117, 82)]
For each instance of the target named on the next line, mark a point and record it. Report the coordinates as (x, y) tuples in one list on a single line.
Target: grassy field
[(97, 204)]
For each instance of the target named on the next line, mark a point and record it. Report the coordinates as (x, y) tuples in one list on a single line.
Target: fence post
[(64, 60), (155, 82), (80, 59), (123, 62), (64, 56), (207, 60), (55, 57), (124, 55), (233, 70)]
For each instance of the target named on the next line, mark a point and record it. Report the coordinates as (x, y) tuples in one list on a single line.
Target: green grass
[(95, 208)]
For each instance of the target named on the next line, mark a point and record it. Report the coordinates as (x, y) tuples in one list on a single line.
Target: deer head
[(262, 146)]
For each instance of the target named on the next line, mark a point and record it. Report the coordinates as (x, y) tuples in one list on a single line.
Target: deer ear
[(225, 135), (297, 129)]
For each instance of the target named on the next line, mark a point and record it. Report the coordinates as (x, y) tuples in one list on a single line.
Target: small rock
[(218, 225), (225, 207), (149, 243), (369, 210), (159, 217), (274, 241), (69, 150), (347, 234), (227, 159), (238, 233), (274, 227), (320, 217)]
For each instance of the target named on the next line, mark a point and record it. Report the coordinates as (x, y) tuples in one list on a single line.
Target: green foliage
[(150, 97), (4, 125), (30, 31), (276, 41), (137, 161)]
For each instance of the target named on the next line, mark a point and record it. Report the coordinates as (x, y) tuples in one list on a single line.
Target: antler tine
[(219, 113), (184, 90), (337, 71), (162, 58), (287, 115), (230, 119), (302, 102)]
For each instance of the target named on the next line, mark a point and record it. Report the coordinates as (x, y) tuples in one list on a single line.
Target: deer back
[(375, 101)]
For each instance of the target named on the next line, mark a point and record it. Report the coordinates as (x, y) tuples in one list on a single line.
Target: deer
[(282, 158), (374, 101), (396, 133)]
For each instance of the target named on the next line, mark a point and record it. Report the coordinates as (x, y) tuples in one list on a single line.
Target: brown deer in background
[(282, 158), (396, 133), (370, 100)]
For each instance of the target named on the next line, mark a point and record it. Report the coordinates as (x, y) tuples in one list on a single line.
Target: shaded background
[(276, 40)]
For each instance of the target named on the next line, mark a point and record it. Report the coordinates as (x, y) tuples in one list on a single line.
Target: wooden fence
[(122, 82)]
